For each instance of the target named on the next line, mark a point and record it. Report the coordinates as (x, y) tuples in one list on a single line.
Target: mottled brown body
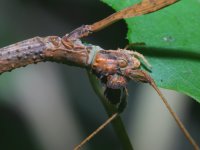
[(114, 61), (21, 54), (38, 49), (68, 52), (113, 67), (116, 81), (110, 66)]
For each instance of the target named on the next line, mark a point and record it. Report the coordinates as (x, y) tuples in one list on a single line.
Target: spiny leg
[(142, 76)]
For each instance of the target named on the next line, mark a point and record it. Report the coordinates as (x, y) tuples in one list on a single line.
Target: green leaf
[(172, 37)]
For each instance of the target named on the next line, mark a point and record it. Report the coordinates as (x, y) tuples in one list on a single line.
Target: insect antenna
[(178, 121), (109, 120), (142, 76)]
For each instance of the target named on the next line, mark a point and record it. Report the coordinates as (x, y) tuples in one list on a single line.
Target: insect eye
[(122, 63)]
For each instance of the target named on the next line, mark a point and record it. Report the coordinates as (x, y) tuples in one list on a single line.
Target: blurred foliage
[(19, 136)]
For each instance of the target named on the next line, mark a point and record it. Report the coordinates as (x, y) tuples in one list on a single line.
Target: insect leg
[(115, 115), (144, 7), (123, 102), (78, 33)]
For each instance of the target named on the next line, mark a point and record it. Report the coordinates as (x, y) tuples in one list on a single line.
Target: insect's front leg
[(78, 33), (144, 7)]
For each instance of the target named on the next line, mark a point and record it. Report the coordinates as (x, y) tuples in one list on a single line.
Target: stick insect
[(114, 68)]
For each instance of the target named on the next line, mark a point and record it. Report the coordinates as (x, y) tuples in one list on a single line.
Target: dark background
[(52, 106)]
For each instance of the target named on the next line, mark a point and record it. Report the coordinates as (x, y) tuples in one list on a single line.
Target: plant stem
[(110, 109)]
